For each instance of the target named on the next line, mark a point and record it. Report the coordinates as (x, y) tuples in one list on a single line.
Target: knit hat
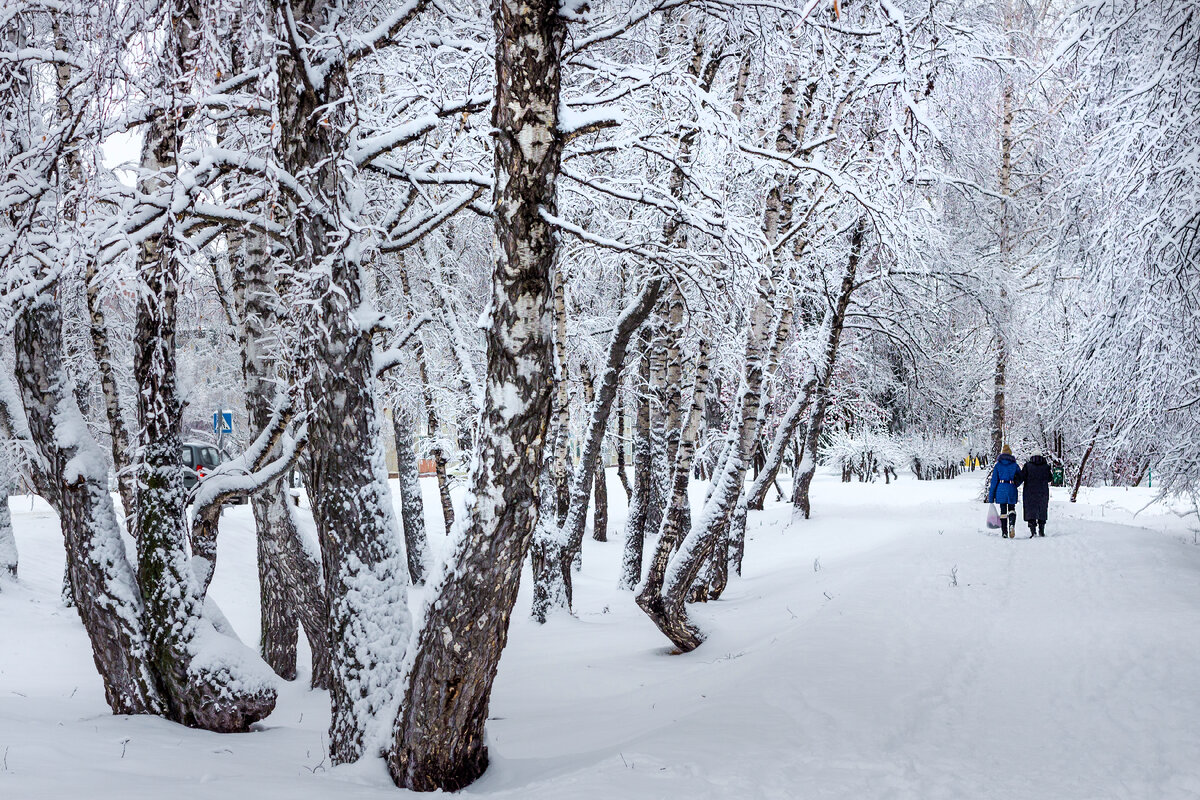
[(1007, 450)]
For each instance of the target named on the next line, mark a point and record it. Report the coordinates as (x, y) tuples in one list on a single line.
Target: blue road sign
[(223, 422)]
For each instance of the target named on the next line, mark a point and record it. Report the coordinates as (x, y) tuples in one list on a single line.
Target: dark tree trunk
[(439, 734), (110, 605), (198, 692), (364, 569), (1083, 466), (622, 473), (600, 501), (600, 494), (820, 402)]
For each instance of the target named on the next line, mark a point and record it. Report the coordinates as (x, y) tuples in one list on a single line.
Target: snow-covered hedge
[(868, 454)]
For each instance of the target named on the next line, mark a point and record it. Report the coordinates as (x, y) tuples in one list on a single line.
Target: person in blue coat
[(1006, 477)]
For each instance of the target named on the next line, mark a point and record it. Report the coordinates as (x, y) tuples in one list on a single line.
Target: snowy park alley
[(844, 664)]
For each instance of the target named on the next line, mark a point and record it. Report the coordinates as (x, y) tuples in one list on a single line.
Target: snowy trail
[(844, 664)]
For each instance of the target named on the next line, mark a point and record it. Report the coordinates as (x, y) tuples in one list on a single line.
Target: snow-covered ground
[(888, 648)]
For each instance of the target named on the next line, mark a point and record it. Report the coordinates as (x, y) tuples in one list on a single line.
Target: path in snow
[(843, 665)]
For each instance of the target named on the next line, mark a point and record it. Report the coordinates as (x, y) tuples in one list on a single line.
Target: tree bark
[(369, 621), (1083, 466), (635, 522), (412, 506), (110, 605), (437, 452), (668, 611), (555, 549), (201, 687), (677, 518), (439, 733), (821, 393), (622, 474)]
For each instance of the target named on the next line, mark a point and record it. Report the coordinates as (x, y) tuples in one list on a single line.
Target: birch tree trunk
[(820, 401), (1000, 376), (412, 506), (667, 610), (291, 592), (70, 472), (439, 733), (622, 474), (555, 549), (677, 518), (438, 453), (201, 687), (364, 569), (735, 544), (635, 521)]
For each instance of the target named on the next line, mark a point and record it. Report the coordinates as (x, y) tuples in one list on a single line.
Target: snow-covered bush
[(933, 456), (866, 453)]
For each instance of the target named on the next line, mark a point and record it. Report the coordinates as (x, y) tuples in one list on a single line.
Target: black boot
[(1032, 530)]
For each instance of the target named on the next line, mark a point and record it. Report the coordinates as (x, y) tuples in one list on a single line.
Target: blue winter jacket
[(1006, 477)]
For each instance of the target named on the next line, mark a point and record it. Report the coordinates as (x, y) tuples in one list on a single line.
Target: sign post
[(222, 427)]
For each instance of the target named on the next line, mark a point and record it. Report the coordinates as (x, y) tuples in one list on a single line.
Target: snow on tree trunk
[(439, 733), (600, 493), (361, 546), (438, 453), (735, 538), (622, 473), (117, 429), (821, 393), (757, 494), (677, 517), (1005, 187), (412, 508), (635, 522), (204, 681), (668, 610), (71, 472), (555, 548), (290, 588), (291, 592)]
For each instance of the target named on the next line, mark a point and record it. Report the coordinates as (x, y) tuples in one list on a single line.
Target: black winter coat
[(1037, 488)]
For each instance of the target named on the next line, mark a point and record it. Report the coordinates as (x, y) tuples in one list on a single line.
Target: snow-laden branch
[(395, 355)]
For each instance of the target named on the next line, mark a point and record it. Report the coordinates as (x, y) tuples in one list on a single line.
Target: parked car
[(201, 458)]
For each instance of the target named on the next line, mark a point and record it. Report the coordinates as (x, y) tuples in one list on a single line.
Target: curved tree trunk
[(668, 611), (557, 548), (677, 518), (622, 473), (110, 604), (439, 734), (820, 402)]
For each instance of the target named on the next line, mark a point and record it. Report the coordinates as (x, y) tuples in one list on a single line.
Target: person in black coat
[(1037, 494)]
